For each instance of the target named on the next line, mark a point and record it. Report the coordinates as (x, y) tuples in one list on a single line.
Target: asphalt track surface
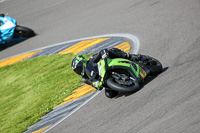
[(167, 29)]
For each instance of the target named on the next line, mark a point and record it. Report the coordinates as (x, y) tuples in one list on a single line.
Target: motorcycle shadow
[(5, 46), (14, 42), (149, 79)]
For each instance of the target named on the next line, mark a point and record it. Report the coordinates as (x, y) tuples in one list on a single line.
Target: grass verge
[(31, 88)]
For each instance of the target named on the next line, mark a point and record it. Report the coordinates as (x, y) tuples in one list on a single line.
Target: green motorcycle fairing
[(108, 64)]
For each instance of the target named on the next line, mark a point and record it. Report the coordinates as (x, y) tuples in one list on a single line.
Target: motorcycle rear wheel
[(154, 66), (21, 31), (111, 83)]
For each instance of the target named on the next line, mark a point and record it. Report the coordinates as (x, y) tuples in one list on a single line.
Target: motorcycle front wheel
[(111, 83), (21, 31)]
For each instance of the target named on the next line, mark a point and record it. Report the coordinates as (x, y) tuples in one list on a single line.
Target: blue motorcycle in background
[(10, 31)]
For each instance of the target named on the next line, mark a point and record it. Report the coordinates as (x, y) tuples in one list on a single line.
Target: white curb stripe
[(134, 39)]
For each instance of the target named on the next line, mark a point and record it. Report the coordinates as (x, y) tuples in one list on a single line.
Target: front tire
[(111, 83)]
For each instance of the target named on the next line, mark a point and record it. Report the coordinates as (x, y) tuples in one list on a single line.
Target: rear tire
[(24, 31), (155, 67)]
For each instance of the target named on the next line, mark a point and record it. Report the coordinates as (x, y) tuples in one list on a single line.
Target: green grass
[(31, 88)]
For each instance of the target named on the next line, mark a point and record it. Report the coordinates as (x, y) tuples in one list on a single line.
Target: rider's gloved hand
[(97, 84)]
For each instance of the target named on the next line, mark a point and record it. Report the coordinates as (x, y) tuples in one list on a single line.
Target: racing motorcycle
[(10, 31), (123, 75)]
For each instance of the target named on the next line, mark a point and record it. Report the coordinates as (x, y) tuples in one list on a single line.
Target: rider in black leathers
[(79, 64)]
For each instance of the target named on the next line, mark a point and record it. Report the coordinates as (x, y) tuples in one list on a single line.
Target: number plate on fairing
[(142, 73)]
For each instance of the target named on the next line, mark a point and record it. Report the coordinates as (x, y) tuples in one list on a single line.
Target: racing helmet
[(78, 64)]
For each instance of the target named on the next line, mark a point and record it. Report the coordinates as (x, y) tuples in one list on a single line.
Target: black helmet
[(78, 64)]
